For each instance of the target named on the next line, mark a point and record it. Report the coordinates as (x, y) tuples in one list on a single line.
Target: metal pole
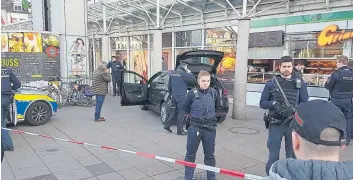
[(157, 15), (104, 19), (245, 4)]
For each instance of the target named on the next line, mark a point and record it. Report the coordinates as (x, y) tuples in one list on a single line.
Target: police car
[(33, 106), (153, 93)]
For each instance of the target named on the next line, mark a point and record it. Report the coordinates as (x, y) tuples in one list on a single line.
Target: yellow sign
[(331, 35)]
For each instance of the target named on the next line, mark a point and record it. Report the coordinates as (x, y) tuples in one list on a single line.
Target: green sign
[(303, 19)]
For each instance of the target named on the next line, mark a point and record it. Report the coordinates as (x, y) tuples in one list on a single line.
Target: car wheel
[(221, 119), (164, 113), (38, 113), (144, 107)]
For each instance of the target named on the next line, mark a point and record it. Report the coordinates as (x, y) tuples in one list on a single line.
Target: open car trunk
[(198, 60)]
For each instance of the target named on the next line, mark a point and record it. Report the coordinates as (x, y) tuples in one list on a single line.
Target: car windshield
[(199, 60)]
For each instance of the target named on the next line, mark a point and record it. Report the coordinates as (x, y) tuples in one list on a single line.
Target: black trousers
[(177, 113), (116, 80)]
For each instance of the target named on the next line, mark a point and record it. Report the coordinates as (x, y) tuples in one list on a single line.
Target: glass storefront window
[(188, 38), (219, 36), (261, 70), (305, 46), (139, 42), (166, 40), (119, 42), (139, 59), (167, 59)]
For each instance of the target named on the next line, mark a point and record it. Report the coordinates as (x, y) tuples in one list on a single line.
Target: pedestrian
[(100, 81), (340, 86), (117, 69), (202, 103), (281, 108), (179, 81), (9, 82), (298, 70), (319, 130)]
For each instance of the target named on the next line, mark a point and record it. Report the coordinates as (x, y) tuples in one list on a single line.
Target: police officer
[(340, 86), (9, 82), (179, 81), (202, 104), (116, 69), (280, 114)]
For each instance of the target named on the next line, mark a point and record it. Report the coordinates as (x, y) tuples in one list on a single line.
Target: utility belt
[(269, 120), (211, 125)]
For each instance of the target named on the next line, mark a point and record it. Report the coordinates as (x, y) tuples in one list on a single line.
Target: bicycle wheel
[(63, 98), (84, 100)]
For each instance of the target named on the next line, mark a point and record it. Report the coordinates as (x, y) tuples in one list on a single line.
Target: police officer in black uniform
[(9, 82), (179, 81), (340, 86), (280, 114), (202, 104), (116, 69)]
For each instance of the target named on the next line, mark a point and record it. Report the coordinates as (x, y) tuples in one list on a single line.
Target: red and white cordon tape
[(175, 161)]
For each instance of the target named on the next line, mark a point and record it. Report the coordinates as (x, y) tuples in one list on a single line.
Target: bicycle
[(80, 94), (56, 91)]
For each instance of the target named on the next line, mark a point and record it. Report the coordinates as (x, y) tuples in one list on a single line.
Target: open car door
[(197, 60), (134, 89)]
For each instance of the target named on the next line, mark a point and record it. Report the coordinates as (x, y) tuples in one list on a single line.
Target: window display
[(119, 43), (139, 42), (167, 59), (261, 70), (139, 58), (220, 36)]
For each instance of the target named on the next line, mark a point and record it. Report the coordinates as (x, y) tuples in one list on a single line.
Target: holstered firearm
[(187, 121), (269, 120)]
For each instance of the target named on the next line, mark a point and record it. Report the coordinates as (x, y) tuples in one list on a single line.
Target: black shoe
[(182, 133), (168, 129)]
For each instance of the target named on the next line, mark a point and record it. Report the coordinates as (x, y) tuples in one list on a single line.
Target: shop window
[(166, 40), (306, 46), (261, 70), (139, 59), (167, 59), (119, 42), (220, 36), (139, 42), (188, 38)]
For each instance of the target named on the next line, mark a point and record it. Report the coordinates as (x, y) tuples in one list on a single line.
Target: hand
[(106, 70), (187, 70)]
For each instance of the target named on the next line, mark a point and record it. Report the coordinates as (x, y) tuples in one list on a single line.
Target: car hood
[(200, 60), (28, 90)]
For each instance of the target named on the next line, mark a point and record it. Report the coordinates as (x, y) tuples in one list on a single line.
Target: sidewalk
[(240, 145)]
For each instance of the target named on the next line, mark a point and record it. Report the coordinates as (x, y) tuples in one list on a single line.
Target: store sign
[(331, 35), (266, 39)]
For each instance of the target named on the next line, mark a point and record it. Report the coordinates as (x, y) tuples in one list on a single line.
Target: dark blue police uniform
[(340, 86), (7, 78), (296, 92), (117, 69), (202, 105), (179, 81)]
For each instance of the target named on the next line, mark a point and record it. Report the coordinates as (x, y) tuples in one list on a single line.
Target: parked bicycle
[(80, 94), (56, 91)]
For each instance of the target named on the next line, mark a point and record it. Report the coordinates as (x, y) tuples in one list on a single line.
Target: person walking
[(202, 104), (9, 82), (280, 95), (179, 81), (100, 81), (340, 86), (117, 69)]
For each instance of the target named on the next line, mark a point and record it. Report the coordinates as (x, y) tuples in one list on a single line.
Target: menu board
[(31, 55)]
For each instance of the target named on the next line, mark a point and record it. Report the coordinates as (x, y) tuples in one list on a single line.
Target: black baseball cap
[(314, 116)]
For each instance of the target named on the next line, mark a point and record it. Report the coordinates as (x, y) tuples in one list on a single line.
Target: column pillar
[(38, 15), (69, 19), (156, 64), (105, 38), (240, 74)]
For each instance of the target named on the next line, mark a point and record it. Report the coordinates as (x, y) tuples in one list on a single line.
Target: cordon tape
[(170, 160)]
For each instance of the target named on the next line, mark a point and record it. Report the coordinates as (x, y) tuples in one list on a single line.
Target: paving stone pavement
[(240, 145)]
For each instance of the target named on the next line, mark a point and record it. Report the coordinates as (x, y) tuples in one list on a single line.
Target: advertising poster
[(140, 62), (77, 60), (29, 61), (4, 42), (16, 42), (33, 42)]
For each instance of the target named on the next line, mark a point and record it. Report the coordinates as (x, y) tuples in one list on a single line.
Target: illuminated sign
[(331, 35)]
